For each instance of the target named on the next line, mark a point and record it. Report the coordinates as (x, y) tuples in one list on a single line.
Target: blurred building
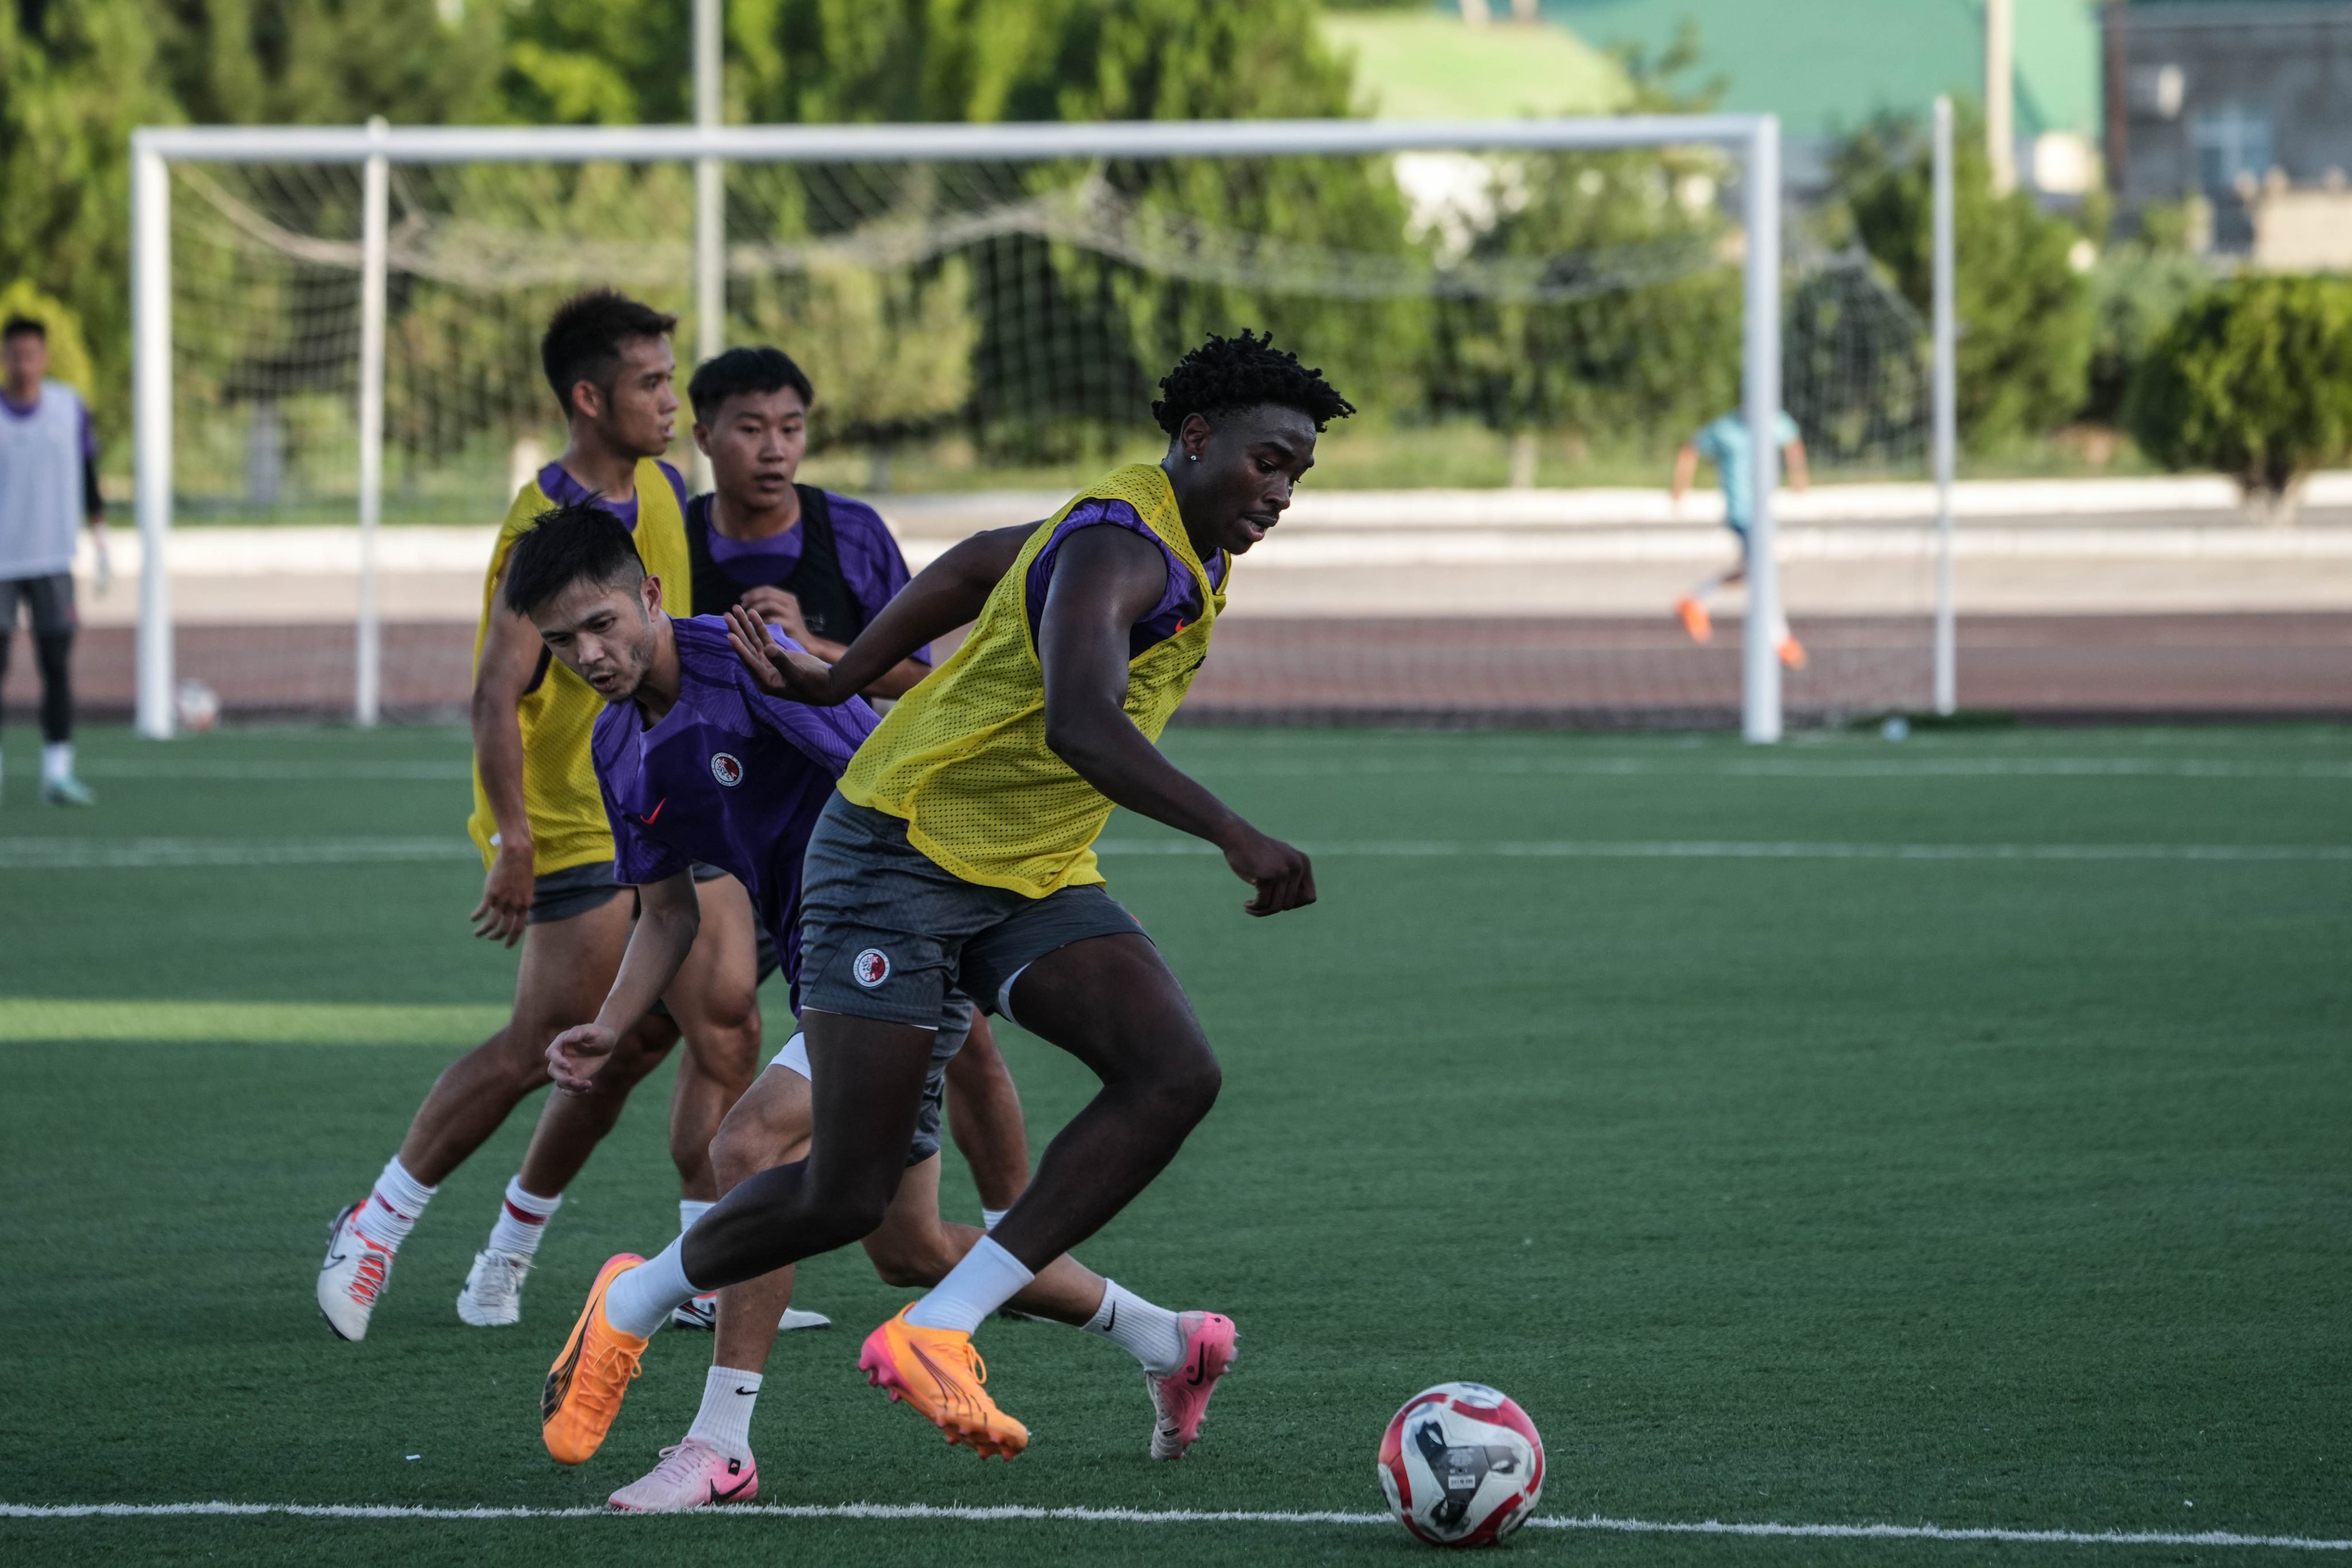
[(2246, 103), (1827, 67)]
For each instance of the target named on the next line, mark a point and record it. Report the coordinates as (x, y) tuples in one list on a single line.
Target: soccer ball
[(1462, 1465)]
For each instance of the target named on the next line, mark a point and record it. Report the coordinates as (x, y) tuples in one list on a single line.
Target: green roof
[(1827, 67)]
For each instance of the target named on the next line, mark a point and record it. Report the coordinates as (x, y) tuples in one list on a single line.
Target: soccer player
[(49, 483), (818, 565), (957, 851), (812, 563), (540, 825), (698, 764), (1724, 442)]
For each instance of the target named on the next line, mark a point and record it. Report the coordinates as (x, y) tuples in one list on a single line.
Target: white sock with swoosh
[(986, 1279), (1148, 1333), (725, 1419)]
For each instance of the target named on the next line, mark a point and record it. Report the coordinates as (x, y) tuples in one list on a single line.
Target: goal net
[(1530, 334)]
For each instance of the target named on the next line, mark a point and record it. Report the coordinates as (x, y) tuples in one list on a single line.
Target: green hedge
[(2253, 379)]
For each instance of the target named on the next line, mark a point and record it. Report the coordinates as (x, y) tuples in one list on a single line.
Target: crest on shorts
[(726, 769), (870, 968)]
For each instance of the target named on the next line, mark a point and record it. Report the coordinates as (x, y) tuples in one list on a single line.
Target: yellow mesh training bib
[(962, 758), (559, 712)]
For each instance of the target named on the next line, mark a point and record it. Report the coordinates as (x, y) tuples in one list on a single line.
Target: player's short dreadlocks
[(1246, 372)]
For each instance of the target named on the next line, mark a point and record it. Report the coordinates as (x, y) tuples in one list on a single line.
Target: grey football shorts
[(575, 890), (887, 932), (955, 1028)]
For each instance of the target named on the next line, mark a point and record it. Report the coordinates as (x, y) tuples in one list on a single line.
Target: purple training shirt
[(557, 484), (730, 776), (872, 568), (1180, 603)]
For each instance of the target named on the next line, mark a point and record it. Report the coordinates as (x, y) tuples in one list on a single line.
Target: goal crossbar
[(1753, 140)]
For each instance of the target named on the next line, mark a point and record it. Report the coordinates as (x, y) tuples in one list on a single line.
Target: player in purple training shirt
[(697, 763), (813, 563)]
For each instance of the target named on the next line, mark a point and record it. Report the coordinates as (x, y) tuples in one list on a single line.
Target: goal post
[(1748, 143)]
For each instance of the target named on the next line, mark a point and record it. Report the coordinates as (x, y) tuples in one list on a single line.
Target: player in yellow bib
[(958, 852), (547, 849)]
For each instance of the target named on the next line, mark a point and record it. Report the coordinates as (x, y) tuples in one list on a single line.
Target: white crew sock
[(57, 762), (986, 1279), (692, 1209), (1148, 1333), (725, 1419), (990, 1219), (641, 1301), (522, 1221), (393, 1205)]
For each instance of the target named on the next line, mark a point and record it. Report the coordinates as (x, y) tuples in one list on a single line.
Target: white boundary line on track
[(1182, 1516), (40, 853)]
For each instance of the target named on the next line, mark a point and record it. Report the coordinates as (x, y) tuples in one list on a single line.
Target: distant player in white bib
[(48, 484), (1724, 442)]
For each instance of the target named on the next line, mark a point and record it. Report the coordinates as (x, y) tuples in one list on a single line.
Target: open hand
[(1284, 877), (797, 676), (574, 1056), (779, 607), (505, 909)]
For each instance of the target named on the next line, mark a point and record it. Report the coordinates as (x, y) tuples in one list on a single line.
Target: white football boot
[(702, 1312), (353, 1276), (492, 1298), (691, 1475)]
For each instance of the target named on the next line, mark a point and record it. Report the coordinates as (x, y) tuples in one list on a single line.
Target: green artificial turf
[(1776, 1185)]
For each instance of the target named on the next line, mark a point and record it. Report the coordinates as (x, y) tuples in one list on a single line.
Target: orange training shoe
[(1793, 653), (1696, 620), (586, 1385), (938, 1372)]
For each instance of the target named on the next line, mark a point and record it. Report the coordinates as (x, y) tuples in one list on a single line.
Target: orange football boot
[(585, 1386), (1694, 618), (938, 1372), (1793, 653)]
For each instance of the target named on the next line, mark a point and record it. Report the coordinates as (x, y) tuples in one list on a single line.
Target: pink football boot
[(693, 1474), (1180, 1401)]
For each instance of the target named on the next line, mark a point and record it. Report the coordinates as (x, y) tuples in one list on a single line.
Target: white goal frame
[(1754, 140)]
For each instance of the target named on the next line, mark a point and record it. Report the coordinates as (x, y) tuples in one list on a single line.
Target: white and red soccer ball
[(1462, 1465)]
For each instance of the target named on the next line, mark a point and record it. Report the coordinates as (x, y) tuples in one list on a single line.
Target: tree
[(74, 81), (2253, 379), (326, 62), (2025, 312)]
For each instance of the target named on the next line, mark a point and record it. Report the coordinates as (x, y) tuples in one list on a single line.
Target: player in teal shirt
[(1724, 442)]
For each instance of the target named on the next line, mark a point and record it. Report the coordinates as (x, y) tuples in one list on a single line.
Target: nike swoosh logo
[(1200, 1367), (747, 1393), (648, 817), (732, 1492)]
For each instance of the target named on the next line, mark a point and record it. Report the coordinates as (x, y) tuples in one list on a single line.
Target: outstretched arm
[(1106, 579), (945, 595), (1686, 470), (670, 914)]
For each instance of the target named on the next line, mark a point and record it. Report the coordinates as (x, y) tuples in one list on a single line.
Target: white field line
[(1182, 1516), (199, 769), (1705, 849), (31, 854), (39, 854), (195, 770), (1824, 768)]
